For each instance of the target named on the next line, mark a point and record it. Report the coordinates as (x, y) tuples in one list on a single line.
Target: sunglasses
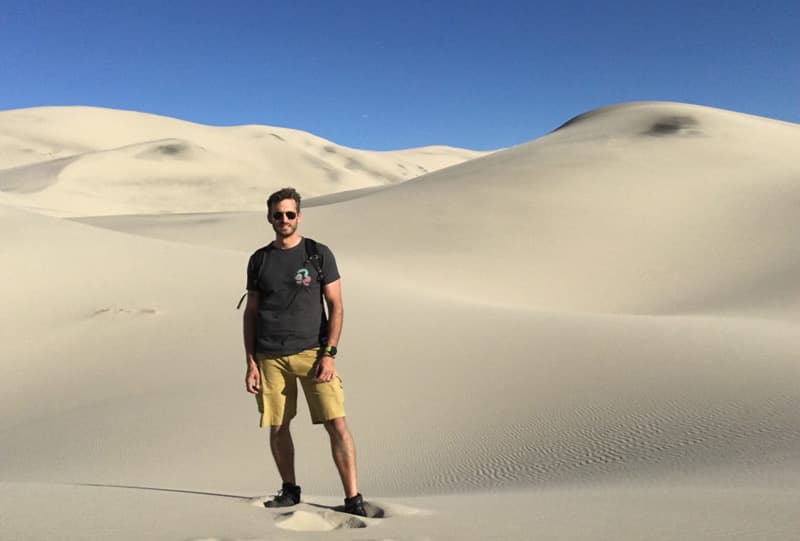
[(278, 215)]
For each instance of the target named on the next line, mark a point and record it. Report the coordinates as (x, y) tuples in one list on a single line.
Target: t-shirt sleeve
[(252, 271), (329, 267)]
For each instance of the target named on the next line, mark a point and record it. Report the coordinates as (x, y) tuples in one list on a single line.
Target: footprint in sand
[(116, 310), (318, 521), (312, 517)]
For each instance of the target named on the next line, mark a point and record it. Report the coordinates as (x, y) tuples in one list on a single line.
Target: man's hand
[(253, 379), (326, 369)]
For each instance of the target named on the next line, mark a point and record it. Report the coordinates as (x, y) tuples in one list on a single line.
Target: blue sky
[(384, 75)]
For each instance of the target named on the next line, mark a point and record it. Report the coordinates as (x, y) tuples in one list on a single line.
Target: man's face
[(279, 214)]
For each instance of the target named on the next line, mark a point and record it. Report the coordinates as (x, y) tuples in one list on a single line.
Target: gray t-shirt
[(290, 314)]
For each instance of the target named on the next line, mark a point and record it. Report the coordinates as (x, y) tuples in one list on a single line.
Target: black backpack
[(312, 256)]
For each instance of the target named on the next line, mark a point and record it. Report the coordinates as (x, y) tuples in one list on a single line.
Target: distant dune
[(644, 208), (90, 161), (593, 335)]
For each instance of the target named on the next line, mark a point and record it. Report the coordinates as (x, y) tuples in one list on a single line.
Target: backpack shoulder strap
[(313, 257), (261, 267), (267, 249), (312, 253)]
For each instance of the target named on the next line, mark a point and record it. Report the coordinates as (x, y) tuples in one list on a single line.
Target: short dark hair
[(280, 195)]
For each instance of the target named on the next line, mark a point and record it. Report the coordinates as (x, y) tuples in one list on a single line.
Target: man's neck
[(284, 243)]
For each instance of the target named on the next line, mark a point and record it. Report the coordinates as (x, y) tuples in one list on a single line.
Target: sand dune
[(590, 335), (606, 215), (86, 161)]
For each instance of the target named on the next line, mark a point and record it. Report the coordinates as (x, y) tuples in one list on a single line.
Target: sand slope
[(89, 160), (646, 208), (591, 335)]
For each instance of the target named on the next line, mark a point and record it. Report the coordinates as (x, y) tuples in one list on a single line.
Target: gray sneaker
[(288, 495)]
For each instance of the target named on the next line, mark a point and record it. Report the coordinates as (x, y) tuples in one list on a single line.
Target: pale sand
[(78, 161), (590, 336)]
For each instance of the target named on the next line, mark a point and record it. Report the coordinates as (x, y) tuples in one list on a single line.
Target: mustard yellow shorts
[(277, 401)]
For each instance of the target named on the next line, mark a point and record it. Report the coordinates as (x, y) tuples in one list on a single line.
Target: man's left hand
[(326, 369)]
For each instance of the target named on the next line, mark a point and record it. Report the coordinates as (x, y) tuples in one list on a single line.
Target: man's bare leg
[(282, 446), (344, 454)]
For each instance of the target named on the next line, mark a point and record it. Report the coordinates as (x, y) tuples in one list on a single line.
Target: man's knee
[(336, 427), (279, 431)]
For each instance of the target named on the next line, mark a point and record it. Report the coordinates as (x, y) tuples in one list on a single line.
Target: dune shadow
[(332, 174), (33, 177), (674, 125), (171, 149)]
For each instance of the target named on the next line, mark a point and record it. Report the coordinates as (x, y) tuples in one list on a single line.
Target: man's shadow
[(373, 511)]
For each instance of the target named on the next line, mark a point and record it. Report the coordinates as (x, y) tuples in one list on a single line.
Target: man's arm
[(253, 376), (333, 298)]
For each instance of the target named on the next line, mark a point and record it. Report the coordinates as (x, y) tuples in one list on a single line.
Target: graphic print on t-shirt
[(302, 277)]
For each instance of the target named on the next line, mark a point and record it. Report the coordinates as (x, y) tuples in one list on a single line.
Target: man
[(287, 338)]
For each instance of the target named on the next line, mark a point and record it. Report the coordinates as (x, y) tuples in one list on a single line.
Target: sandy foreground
[(590, 336)]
